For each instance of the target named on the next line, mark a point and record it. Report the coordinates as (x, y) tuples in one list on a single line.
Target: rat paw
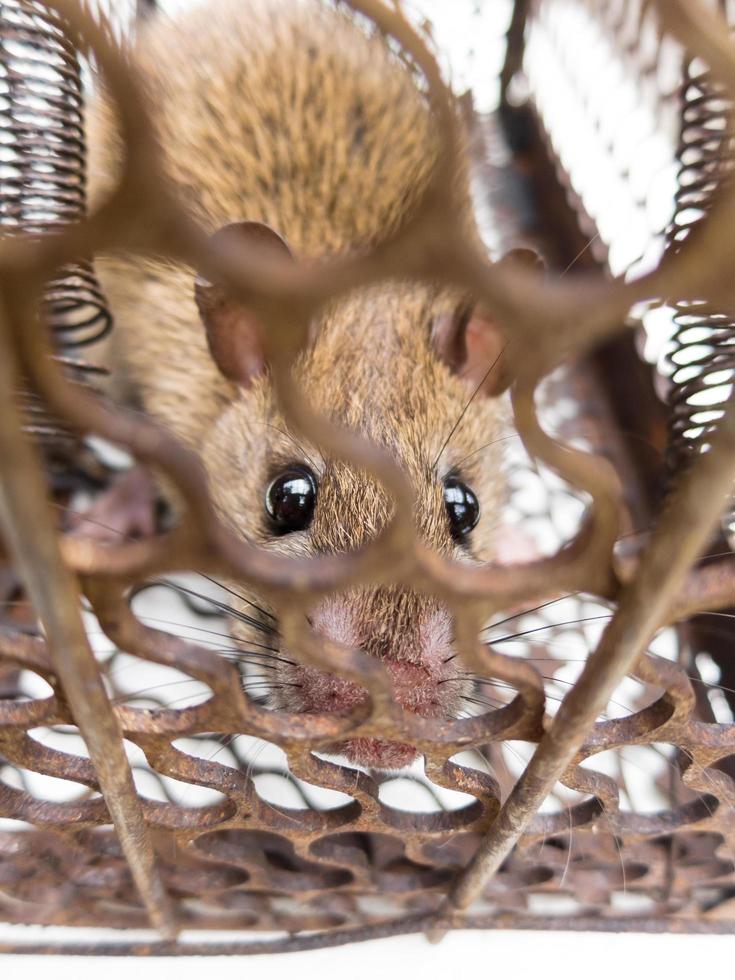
[(126, 509)]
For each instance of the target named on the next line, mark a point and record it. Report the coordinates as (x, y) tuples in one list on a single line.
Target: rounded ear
[(233, 331), (471, 342)]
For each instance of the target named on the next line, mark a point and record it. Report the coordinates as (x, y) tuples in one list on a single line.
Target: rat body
[(287, 116)]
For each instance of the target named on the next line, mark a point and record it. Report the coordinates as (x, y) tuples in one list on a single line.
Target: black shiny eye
[(290, 499), (463, 510)]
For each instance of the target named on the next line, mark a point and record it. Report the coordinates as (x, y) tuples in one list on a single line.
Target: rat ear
[(233, 331), (471, 342)]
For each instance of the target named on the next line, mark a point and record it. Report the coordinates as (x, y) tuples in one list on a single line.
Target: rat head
[(400, 364)]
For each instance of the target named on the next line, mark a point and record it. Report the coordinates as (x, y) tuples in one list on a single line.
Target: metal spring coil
[(43, 184), (702, 354)]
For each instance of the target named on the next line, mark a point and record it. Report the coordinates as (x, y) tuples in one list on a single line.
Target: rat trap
[(147, 785)]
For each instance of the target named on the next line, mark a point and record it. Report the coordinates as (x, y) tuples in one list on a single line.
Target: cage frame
[(662, 584)]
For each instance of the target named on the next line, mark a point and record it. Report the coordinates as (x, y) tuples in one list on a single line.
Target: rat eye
[(463, 509), (290, 499)]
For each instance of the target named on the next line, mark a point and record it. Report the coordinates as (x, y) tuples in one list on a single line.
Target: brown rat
[(286, 117)]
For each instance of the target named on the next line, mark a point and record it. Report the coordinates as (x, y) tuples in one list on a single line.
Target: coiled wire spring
[(43, 180), (702, 354)]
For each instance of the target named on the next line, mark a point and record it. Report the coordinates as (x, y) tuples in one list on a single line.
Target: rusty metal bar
[(341, 937), (31, 537), (515, 46), (679, 539)]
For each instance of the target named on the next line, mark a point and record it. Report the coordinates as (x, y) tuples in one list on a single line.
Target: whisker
[(170, 704), (223, 606), (533, 609), (493, 442), (200, 629), (486, 703), (237, 595), (227, 741), (579, 254), (479, 678), (464, 410), (270, 685), (254, 663), (243, 656), (192, 680), (550, 626)]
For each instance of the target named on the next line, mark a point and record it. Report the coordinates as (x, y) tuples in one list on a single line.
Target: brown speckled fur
[(286, 112)]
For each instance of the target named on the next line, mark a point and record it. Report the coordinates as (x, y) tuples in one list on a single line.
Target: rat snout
[(411, 637), (416, 651), (414, 687), (414, 690)]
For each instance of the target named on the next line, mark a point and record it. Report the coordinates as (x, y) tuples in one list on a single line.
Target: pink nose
[(414, 687)]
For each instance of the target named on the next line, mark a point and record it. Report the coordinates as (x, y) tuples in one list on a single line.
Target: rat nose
[(414, 687), (328, 693), (411, 639)]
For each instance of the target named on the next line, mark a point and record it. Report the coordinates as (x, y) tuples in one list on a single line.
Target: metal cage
[(645, 568)]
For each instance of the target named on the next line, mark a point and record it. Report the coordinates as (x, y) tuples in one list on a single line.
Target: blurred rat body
[(286, 120)]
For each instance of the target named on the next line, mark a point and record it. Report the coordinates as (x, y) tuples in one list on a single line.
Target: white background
[(480, 956)]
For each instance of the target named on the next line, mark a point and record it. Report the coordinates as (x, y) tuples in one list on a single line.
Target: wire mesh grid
[(528, 811)]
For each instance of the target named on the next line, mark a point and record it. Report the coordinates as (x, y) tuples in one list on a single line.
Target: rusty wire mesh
[(554, 836)]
